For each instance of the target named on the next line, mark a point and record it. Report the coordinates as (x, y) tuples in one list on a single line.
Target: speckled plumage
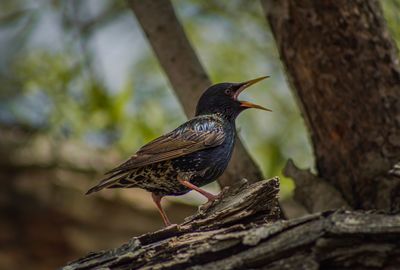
[(194, 154), (200, 167)]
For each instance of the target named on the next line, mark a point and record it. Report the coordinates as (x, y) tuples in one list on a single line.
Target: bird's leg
[(157, 201), (209, 196)]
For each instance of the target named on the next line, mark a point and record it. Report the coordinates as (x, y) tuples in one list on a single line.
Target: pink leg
[(209, 196), (157, 201)]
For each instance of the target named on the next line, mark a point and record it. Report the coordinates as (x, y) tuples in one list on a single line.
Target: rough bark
[(343, 66), (241, 231), (185, 73)]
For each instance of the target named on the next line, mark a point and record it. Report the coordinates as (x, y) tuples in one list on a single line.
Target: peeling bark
[(243, 231), (344, 68), (185, 73)]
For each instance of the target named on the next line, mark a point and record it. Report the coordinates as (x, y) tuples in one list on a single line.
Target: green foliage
[(391, 10), (81, 106)]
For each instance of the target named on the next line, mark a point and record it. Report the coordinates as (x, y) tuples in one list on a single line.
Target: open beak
[(247, 104), (242, 86)]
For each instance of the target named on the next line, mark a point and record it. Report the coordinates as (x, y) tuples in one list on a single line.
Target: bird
[(194, 154)]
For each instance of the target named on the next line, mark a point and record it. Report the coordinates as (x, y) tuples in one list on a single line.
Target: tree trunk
[(343, 66), (241, 231), (185, 73)]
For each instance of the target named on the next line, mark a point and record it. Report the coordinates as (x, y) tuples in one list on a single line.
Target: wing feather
[(190, 137), (197, 134)]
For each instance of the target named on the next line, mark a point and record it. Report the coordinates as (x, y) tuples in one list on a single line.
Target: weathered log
[(243, 231)]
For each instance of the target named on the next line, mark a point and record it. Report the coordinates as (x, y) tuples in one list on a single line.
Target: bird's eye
[(228, 91)]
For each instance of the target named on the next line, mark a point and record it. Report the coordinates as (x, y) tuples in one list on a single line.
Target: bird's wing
[(196, 134)]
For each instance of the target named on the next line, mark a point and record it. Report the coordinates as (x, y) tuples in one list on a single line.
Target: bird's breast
[(208, 164)]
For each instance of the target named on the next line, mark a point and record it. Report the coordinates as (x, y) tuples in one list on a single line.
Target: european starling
[(194, 154)]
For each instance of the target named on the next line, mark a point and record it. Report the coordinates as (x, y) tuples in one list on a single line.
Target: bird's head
[(223, 98)]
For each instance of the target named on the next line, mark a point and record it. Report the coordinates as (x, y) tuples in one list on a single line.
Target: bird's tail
[(95, 189), (107, 182)]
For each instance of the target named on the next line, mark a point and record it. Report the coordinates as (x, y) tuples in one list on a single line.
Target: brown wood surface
[(243, 231), (344, 68)]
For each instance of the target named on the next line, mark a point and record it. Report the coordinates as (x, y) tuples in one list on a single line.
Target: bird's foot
[(170, 225), (208, 204), (213, 198)]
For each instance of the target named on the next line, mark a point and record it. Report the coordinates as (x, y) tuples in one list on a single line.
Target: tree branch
[(314, 193), (242, 231)]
